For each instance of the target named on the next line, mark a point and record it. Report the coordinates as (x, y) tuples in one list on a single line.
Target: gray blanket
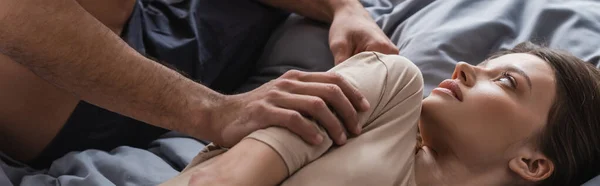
[(433, 34)]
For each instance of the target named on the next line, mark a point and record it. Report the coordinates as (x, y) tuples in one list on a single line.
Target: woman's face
[(484, 111)]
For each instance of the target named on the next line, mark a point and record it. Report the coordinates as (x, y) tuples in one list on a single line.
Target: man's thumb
[(341, 51)]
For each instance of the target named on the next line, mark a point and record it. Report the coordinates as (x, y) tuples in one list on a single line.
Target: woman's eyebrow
[(515, 69)]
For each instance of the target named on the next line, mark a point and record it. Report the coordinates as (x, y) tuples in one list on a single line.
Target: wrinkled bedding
[(433, 34)]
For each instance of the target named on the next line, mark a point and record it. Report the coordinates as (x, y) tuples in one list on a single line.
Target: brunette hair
[(571, 138)]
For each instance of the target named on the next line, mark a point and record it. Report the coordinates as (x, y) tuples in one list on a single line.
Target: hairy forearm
[(63, 44), (322, 10)]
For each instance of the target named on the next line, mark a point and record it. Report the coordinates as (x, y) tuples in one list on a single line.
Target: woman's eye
[(507, 80)]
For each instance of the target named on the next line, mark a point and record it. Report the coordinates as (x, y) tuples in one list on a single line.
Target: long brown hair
[(571, 138)]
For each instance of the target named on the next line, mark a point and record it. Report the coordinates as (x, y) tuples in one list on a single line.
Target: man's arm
[(63, 44)]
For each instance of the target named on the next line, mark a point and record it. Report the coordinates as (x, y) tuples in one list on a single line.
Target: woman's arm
[(265, 157), (248, 163)]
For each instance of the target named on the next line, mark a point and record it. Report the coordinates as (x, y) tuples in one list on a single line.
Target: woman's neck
[(444, 168)]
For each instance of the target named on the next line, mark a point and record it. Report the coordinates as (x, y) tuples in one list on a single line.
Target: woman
[(522, 117)]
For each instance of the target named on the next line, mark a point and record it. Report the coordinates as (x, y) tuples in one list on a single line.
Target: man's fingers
[(356, 98), (340, 94), (298, 124), (316, 108), (334, 97)]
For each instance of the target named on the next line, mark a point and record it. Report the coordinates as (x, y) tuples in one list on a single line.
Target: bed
[(433, 34)]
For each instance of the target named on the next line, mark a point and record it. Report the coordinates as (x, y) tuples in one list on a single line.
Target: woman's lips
[(450, 86)]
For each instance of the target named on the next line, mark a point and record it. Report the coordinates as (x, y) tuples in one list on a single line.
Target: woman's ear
[(532, 166)]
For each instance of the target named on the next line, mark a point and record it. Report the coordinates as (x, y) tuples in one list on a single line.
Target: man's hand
[(287, 102), (352, 28), (353, 31)]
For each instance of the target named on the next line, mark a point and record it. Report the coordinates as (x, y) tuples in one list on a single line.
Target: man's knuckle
[(336, 78), (274, 93), (292, 74), (284, 83), (338, 43), (294, 117), (318, 103), (335, 43), (258, 107), (333, 89)]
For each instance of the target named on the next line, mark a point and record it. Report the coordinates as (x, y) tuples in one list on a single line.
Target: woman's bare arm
[(249, 163)]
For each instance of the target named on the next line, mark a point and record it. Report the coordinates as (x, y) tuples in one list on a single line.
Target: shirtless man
[(58, 56)]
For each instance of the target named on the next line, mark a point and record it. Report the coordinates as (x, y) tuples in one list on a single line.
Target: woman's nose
[(465, 73)]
